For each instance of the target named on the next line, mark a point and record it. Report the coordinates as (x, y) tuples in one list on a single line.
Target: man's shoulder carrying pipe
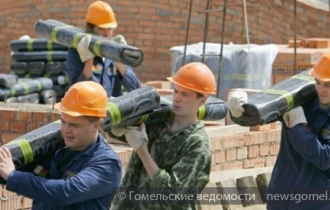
[(270, 104)]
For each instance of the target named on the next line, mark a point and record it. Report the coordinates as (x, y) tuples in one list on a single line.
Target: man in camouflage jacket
[(171, 160)]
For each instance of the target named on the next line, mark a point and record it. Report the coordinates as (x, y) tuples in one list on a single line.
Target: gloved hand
[(119, 39), (236, 99), (83, 50), (294, 117), (134, 135)]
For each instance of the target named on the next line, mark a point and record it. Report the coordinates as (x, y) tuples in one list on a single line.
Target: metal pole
[(206, 27), (221, 47), (187, 34), (295, 38)]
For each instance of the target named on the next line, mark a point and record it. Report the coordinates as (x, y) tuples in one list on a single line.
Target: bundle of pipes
[(213, 109), (24, 88), (267, 106), (39, 58), (70, 36), (30, 45)]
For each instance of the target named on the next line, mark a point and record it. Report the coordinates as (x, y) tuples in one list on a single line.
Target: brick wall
[(156, 26)]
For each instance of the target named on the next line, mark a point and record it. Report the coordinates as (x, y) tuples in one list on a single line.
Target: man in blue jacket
[(301, 175), (84, 174), (82, 64)]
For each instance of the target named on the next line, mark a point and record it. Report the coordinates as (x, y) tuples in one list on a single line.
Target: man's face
[(323, 91), (105, 32), (186, 102), (78, 132)]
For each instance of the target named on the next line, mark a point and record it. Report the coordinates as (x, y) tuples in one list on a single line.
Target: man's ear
[(203, 100), (97, 125)]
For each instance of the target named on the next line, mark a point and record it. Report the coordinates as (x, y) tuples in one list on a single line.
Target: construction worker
[(82, 64), (82, 175), (301, 175), (172, 156)]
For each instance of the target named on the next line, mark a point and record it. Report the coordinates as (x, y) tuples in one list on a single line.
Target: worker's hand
[(236, 99), (6, 163), (294, 117), (134, 135), (119, 39), (83, 50)]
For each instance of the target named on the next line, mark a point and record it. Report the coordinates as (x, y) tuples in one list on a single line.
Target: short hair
[(89, 27), (92, 119)]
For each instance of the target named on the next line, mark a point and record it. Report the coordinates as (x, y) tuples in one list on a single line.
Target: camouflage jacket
[(184, 159)]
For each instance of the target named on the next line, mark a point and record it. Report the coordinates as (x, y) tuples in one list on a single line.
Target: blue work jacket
[(302, 167), (103, 73), (87, 182)]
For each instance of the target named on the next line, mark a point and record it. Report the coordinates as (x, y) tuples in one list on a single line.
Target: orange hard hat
[(195, 76), (86, 98), (321, 70), (101, 14)]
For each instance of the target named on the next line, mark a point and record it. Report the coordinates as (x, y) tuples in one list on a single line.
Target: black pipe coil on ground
[(267, 106), (55, 67), (36, 67), (8, 80), (23, 88), (39, 56), (33, 98), (57, 79), (36, 45), (18, 67), (48, 96), (70, 36)]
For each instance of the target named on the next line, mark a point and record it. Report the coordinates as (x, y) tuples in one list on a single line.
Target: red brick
[(40, 117), (7, 136), (232, 165), (248, 163), (23, 116), (231, 154), (274, 148), (270, 161), (7, 114), (253, 151), (17, 126), (264, 149), (4, 125)]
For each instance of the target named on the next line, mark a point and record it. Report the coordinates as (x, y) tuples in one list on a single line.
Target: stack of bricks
[(309, 50), (13, 201), (237, 147)]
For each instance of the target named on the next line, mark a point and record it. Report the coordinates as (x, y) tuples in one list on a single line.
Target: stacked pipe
[(41, 58), (14, 91)]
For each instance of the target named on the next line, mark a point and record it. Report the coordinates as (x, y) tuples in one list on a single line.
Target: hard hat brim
[(108, 25), (312, 73), (171, 79), (67, 111)]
